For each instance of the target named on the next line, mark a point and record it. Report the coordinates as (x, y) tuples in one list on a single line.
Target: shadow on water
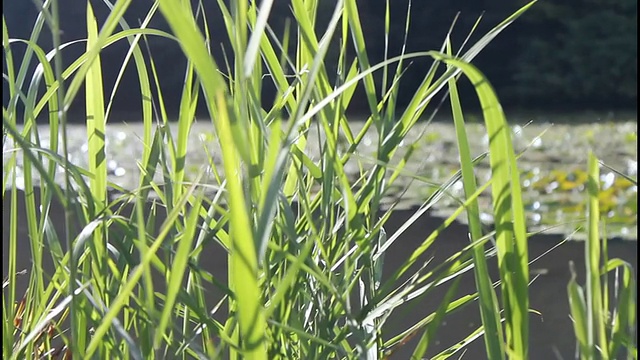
[(551, 333)]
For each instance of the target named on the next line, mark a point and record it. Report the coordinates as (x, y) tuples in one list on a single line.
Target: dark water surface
[(551, 334)]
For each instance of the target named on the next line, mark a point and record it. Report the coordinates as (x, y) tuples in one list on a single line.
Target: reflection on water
[(552, 163)]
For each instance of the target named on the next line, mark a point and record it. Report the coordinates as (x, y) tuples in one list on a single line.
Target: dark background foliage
[(561, 55)]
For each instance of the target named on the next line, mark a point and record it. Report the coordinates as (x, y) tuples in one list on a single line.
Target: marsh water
[(553, 168), (551, 329), (552, 165)]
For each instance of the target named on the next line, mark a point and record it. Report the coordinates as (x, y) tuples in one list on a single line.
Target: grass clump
[(305, 243), (601, 334)]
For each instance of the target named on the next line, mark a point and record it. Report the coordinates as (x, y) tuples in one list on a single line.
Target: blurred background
[(560, 57)]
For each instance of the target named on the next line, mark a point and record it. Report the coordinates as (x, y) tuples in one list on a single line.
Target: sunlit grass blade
[(187, 113), (92, 53), (143, 77), (578, 308), (352, 13), (624, 314), (8, 307), (511, 240), (243, 260), (96, 133), (593, 259), (10, 78), (9, 115), (260, 24), (488, 302)]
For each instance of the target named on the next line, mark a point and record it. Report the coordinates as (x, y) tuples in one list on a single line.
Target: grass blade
[(578, 306), (596, 321), (243, 260), (511, 240), (488, 300)]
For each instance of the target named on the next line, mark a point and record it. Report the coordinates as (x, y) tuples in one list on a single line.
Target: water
[(551, 329), (553, 167)]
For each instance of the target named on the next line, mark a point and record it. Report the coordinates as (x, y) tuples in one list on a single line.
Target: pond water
[(552, 164)]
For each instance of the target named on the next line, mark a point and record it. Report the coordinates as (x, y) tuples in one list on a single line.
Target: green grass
[(305, 243), (599, 332)]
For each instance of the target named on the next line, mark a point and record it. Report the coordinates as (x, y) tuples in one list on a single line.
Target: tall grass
[(602, 330), (305, 241)]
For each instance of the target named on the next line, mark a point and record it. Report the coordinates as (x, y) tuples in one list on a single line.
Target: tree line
[(560, 55)]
